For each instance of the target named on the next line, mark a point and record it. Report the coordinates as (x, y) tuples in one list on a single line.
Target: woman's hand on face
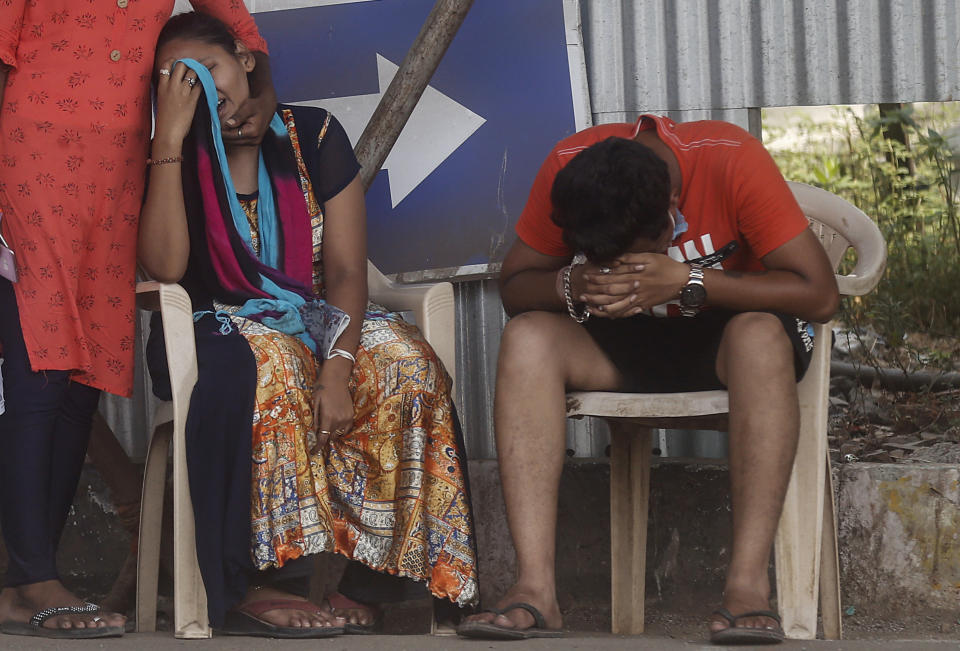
[(249, 124), (332, 412), (178, 91)]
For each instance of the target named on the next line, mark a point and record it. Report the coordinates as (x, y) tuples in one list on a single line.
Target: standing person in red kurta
[(74, 131)]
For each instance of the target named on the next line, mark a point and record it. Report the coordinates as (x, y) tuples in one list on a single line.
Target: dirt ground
[(870, 421)]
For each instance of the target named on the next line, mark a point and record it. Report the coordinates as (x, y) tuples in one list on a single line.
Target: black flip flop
[(491, 631), (734, 634), (35, 627), (246, 621)]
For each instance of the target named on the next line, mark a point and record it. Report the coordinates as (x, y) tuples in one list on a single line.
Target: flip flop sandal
[(340, 601), (36, 628), (245, 620), (734, 634), (491, 631)]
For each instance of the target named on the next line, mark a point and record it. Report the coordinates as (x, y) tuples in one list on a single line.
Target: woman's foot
[(359, 617), (10, 610), (21, 603), (288, 614)]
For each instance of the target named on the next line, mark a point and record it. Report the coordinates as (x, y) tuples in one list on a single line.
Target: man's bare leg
[(756, 363), (542, 355)]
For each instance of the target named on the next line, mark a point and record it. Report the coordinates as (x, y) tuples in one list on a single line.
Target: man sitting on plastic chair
[(656, 257)]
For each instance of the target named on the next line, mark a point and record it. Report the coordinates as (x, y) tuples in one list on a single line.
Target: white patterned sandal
[(36, 628)]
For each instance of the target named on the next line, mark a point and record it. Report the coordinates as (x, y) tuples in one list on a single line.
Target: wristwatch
[(693, 295)]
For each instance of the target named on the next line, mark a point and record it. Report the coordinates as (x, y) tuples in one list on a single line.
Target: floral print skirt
[(391, 493)]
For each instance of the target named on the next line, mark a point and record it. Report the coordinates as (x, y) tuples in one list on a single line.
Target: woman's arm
[(250, 123), (164, 242), (345, 280)]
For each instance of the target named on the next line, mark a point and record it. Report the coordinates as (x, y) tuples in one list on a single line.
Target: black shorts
[(672, 354)]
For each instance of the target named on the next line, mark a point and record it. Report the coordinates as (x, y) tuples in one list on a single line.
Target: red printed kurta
[(74, 131)]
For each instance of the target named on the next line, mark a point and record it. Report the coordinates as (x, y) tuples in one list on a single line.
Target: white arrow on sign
[(436, 128)]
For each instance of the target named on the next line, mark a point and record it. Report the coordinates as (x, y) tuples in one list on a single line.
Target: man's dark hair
[(197, 26), (610, 194)]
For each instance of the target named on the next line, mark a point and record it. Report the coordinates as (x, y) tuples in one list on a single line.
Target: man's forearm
[(779, 291), (536, 289)]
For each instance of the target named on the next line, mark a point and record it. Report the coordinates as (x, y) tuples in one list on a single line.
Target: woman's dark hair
[(610, 194), (197, 26)]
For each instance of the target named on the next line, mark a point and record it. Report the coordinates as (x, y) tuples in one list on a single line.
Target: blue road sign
[(460, 174)]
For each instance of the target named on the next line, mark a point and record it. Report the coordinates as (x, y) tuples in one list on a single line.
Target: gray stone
[(900, 538)]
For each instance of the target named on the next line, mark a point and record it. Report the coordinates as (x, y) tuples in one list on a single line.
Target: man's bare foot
[(310, 616), (34, 597), (519, 618), (744, 601)]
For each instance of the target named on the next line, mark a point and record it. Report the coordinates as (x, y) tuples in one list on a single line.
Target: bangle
[(340, 352), (568, 293), (165, 161)]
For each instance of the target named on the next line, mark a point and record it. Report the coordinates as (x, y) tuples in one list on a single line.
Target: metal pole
[(404, 92)]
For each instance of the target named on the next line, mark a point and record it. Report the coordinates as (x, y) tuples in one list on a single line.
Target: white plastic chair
[(433, 309), (806, 541)]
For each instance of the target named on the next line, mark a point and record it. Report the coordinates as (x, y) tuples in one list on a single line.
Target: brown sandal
[(245, 620)]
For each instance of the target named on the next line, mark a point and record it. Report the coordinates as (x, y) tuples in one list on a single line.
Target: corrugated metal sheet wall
[(678, 55), (696, 59)]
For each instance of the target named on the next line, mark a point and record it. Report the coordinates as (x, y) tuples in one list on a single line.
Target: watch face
[(693, 295)]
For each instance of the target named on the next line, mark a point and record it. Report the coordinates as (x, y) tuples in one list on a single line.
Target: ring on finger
[(191, 81), (240, 132), (164, 71), (604, 270), (327, 432)]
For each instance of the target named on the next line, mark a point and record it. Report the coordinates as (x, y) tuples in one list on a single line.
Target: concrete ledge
[(899, 542), (900, 537), (898, 526)]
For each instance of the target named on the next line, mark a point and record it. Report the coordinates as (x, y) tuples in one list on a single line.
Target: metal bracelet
[(164, 161), (340, 352), (568, 293)]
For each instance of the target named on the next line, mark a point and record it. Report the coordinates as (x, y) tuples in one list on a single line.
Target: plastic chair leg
[(630, 450), (151, 521), (190, 597), (830, 565), (797, 543)]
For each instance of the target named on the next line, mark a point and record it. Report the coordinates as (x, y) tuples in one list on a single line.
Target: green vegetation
[(908, 191)]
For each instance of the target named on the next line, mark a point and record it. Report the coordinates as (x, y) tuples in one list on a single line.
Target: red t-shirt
[(731, 191)]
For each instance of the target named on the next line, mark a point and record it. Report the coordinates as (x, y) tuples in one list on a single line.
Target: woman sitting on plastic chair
[(354, 446)]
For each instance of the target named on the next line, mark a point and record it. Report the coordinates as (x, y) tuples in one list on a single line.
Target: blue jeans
[(43, 442)]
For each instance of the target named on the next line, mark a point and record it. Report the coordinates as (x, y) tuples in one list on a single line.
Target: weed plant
[(911, 192)]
